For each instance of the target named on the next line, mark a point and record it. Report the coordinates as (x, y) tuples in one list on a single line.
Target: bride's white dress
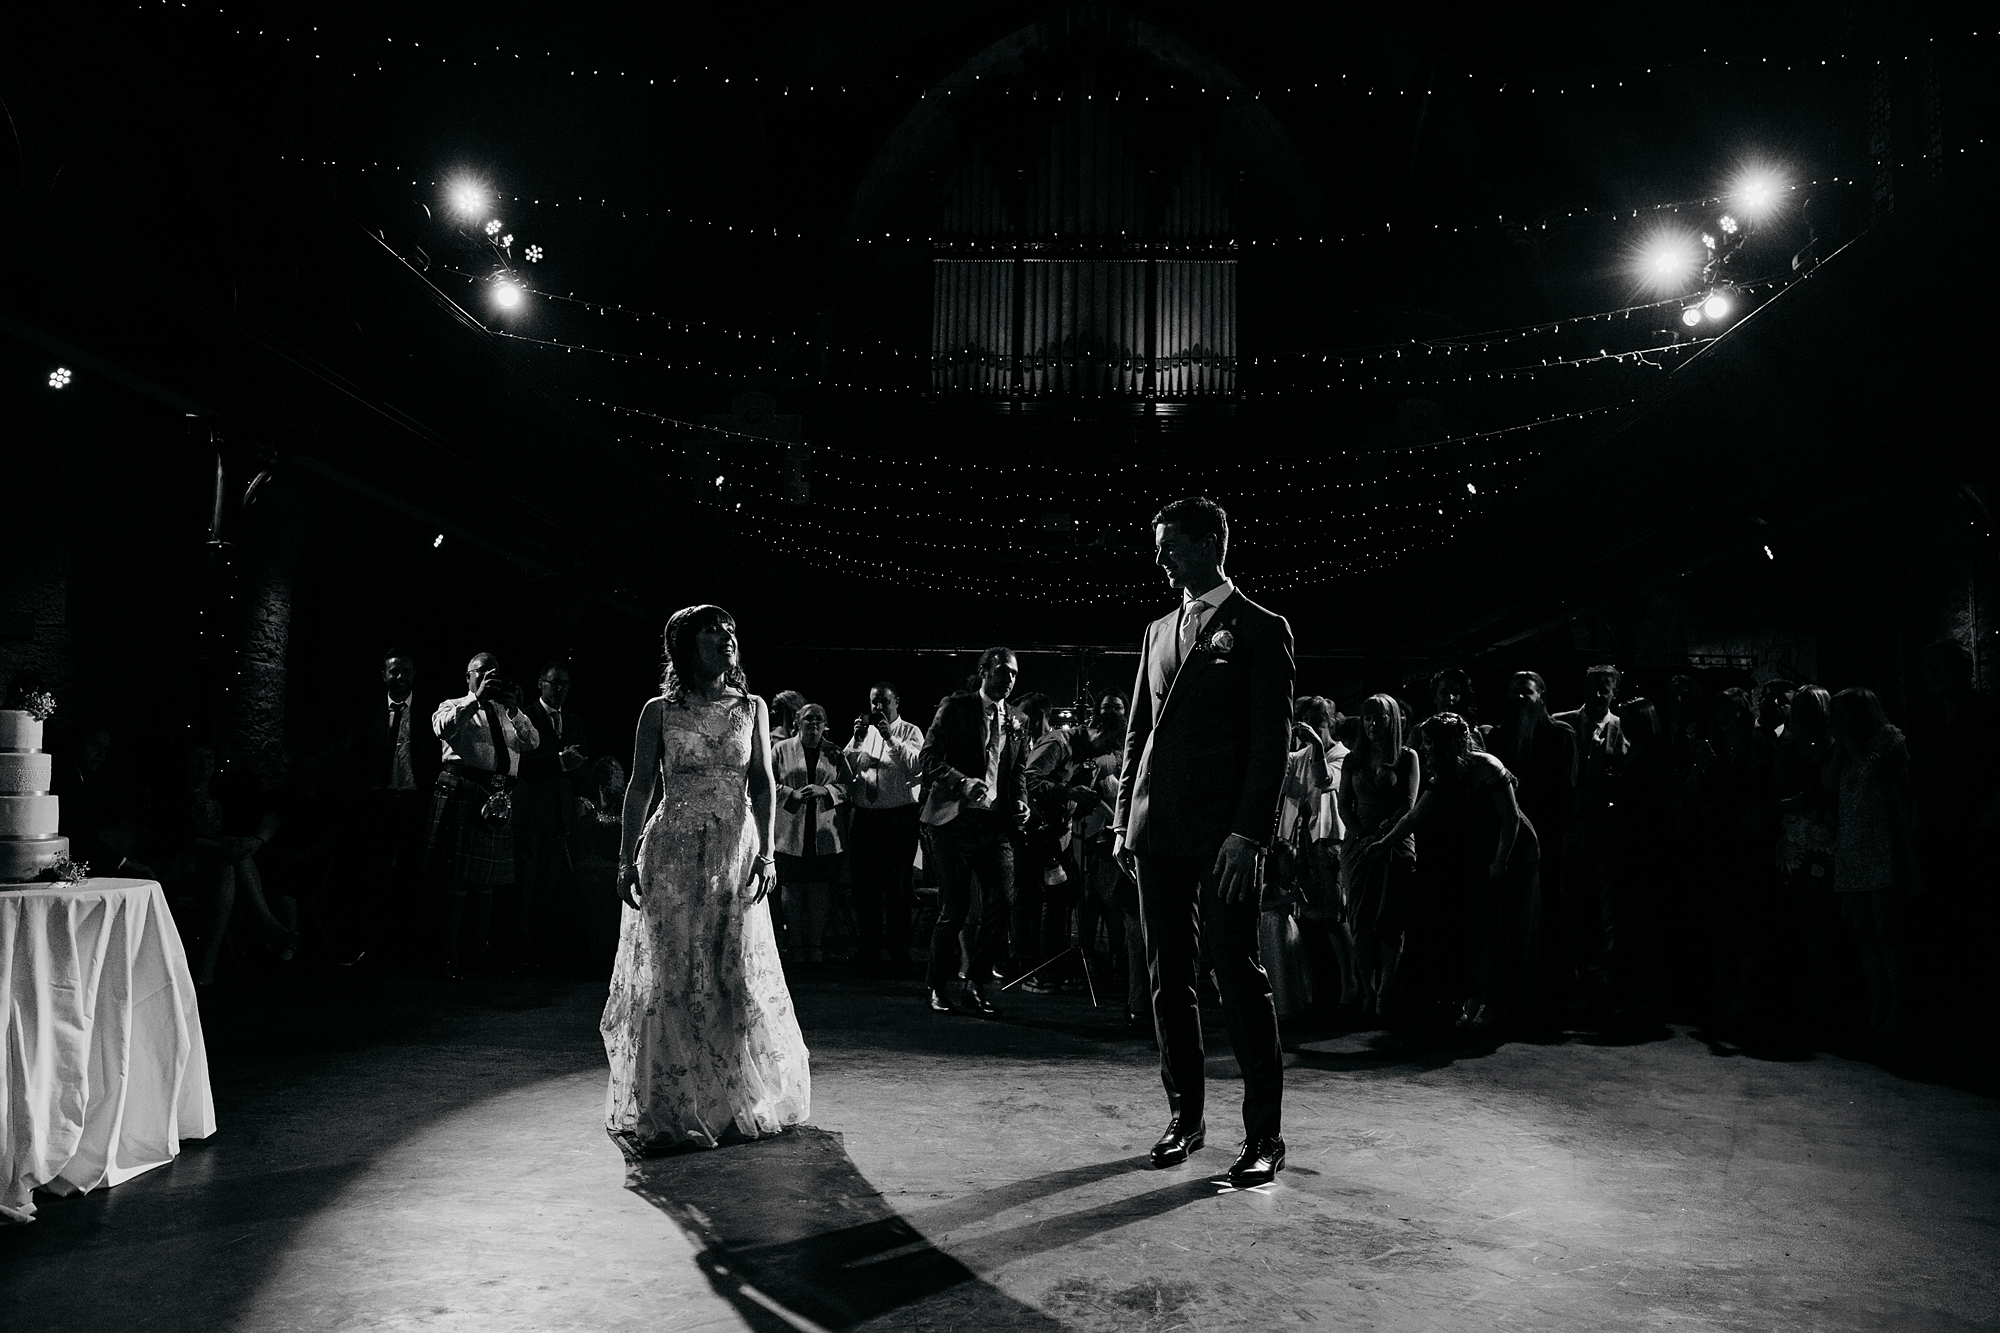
[(699, 1027)]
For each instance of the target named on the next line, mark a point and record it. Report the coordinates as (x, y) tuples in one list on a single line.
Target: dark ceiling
[(239, 213)]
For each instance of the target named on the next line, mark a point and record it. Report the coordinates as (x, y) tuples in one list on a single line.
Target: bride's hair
[(682, 626)]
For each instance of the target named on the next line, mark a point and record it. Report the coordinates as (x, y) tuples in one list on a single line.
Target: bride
[(699, 1028)]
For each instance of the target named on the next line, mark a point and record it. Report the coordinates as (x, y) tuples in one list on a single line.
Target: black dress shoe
[(975, 999), (939, 1005), (1175, 1145), (1258, 1163)]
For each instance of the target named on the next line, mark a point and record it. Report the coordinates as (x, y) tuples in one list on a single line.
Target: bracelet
[(764, 860)]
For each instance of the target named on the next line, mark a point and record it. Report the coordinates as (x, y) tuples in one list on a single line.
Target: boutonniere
[(1218, 641)]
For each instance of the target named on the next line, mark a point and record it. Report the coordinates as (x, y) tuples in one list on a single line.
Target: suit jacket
[(954, 755), (543, 764), (367, 752), (1597, 767), (1547, 768), (1206, 747)]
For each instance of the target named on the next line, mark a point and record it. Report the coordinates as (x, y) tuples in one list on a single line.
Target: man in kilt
[(471, 849)]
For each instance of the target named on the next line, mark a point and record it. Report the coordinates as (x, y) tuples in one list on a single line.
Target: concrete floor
[(396, 1155)]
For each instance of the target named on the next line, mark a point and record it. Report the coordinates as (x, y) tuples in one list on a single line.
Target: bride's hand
[(628, 886), (763, 878)]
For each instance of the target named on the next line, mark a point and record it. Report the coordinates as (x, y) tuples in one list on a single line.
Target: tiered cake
[(28, 813)]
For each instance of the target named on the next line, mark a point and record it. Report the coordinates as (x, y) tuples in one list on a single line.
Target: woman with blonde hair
[(1875, 853), (1378, 790)]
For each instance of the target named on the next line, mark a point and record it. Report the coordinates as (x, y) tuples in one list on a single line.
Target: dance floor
[(401, 1155)]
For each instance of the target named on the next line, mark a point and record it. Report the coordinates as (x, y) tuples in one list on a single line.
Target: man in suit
[(1540, 751), (975, 802), (395, 764), (541, 813), (1584, 911), (1205, 752)]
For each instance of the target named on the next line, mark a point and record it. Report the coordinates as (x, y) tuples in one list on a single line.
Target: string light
[(709, 79), (1524, 371)]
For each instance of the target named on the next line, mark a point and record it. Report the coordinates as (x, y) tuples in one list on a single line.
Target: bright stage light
[(60, 377), (1757, 192), (437, 541), (1667, 260), (1691, 316), (1728, 224), (1716, 306), (534, 254), (506, 295), (468, 197), (493, 227)]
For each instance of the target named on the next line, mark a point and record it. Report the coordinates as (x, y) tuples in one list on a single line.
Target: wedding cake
[(28, 812)]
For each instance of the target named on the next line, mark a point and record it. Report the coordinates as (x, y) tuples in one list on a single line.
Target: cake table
[(104, 1067)]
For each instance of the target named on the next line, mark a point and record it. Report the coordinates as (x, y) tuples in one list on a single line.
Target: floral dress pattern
[(699, 1027)]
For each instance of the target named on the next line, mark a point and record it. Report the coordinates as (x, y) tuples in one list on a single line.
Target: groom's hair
[(1198, 516)]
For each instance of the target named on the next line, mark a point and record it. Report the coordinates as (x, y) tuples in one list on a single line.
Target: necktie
[(395, 738), (555, 722), (500, 764), (1190, 629), (994, 732)]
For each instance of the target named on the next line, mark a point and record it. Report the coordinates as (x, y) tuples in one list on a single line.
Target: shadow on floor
[(793, 1235)]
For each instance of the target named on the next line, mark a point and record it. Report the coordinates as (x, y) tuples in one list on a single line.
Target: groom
[(1205, 751)]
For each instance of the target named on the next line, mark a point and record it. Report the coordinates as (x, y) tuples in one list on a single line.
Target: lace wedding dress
[(699, 1027)]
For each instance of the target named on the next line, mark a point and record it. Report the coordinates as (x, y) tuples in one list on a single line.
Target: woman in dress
[(1806, 766), (1499, 869), (1304, 819), (1875, 852), (703, 1043), (1378, 787)]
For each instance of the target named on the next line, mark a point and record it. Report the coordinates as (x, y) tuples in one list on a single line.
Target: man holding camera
[(471, 848), (882, 841), (541, 823)]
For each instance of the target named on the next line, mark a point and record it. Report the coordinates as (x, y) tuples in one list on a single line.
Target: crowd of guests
[(1776, 857), (1783, 856), (471, 834)]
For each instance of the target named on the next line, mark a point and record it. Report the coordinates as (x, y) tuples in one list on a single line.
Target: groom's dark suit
[(1205, 753)]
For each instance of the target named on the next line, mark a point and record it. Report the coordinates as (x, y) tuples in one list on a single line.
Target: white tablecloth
[(104, 1070)]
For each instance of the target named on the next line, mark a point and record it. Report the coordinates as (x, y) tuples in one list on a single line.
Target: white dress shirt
[(884, 771), (995, 736), (461, 725), (1195, 614)]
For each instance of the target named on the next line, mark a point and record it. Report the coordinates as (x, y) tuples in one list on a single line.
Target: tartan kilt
[(462, 849)]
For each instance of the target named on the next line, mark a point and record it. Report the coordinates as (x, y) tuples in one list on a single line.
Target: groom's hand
[(1238, 865), (1126, 860)]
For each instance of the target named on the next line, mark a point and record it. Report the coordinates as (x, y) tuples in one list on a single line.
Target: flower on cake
[(66, 871), (39, 704)]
